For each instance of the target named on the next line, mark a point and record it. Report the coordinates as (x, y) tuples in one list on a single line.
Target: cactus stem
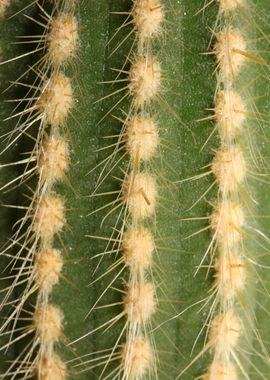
[(229, 322), (137, 200), (45, 217)]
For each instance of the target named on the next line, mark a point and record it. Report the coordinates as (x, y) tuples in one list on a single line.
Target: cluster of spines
[(45, 218), (230, 262), (139, 191), (138, 195)]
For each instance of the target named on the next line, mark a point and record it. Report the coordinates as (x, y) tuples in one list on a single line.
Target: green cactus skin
[(189, 96)]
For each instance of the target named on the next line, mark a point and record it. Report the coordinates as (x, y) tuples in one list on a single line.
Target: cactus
[(134, 182)]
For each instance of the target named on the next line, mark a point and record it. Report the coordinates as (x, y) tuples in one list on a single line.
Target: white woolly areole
[(140, 302), (51, 367), (62, 39), (148, 16), (230, 276), (230, 51), (221, 370), (138, 246), (56, 100), (141, 138), (230, 114), (139, 192), (224, 332), (48, 323), (49, 217), (229, 168), (4, 4), (137, 358), (48, 267), (145, 79), (230, 5), (227, 221), (53, 159)]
